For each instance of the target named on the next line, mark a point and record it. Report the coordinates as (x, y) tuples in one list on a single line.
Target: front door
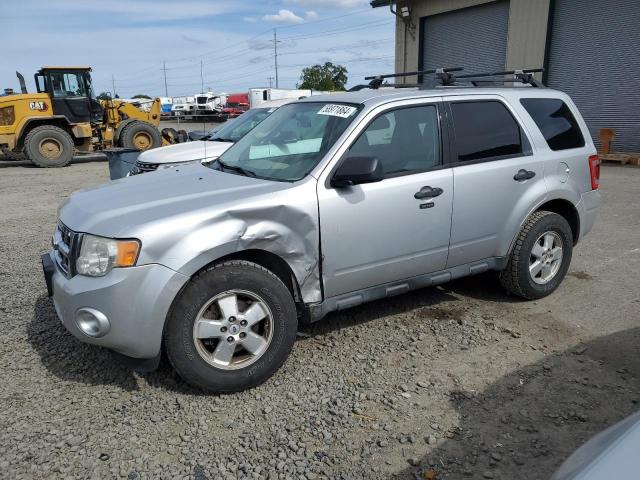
[(69, 96), (497, 179), (398, 228)]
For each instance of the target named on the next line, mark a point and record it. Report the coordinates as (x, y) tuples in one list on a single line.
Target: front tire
[(231, 328), (49, 146), (540, 256), (141, 136)]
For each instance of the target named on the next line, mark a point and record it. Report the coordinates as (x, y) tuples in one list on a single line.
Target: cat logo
[(40, 106)]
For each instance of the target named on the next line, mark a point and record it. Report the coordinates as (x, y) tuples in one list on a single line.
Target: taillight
[(594, 170)]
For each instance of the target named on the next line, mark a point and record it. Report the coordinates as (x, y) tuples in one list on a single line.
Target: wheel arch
[(272, 262), (568, 211), (563, 207), (31, 123)]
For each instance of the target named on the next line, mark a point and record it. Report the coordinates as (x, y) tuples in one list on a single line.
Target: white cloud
[(329, 3), (250, 19), (311, 15), (283, 16)]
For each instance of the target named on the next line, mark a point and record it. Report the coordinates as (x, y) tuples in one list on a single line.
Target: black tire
[(170, 135), (140, 135), (183, 136), (516, 277), (238, 275), (48, 146)]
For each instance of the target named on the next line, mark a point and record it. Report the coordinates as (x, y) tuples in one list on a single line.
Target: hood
[(122, 208), (185, 152)]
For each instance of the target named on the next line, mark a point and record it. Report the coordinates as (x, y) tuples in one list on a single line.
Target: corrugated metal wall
[(474, 38), (594, 56)]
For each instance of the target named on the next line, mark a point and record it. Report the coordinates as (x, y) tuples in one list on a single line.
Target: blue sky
[(130, 39)]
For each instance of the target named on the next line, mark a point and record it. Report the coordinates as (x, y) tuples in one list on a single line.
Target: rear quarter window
[(556, 122)]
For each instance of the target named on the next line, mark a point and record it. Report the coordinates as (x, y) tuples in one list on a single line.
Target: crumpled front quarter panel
[(283, 222)]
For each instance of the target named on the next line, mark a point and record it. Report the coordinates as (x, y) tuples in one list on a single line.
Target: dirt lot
[(460, 381)]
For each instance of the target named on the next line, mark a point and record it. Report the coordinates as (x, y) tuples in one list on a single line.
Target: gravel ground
[(459, 381)]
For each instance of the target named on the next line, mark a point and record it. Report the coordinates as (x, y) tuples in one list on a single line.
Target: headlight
[(99, 255)]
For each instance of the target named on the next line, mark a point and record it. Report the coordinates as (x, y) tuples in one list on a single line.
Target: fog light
[(92, 322)]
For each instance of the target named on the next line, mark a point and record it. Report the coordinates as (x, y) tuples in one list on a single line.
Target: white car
[(209, 147)]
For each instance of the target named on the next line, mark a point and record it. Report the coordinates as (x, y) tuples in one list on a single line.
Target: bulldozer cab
[(71, 93)]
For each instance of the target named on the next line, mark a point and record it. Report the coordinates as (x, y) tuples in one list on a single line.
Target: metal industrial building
[(590, 49)]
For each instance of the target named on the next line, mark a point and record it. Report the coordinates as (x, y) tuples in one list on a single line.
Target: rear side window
[(485, 130), (555, 121)]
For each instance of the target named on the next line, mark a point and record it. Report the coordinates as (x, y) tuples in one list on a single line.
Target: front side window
[(290, 142), (406, 140), (555, 121), (485, 130), (67, 85)]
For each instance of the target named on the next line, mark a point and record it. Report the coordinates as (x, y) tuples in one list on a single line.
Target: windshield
[(239, 127), (290, 142)]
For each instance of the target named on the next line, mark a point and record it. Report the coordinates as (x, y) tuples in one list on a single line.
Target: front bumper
[(587, 209), (135, 300)]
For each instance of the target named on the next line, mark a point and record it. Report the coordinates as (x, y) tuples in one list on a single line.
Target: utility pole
[(275, 53), (201, 79), (113, 84), (164, 67)]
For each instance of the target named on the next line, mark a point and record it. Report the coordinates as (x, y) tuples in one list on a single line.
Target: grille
[(65, 242), (142, 167)]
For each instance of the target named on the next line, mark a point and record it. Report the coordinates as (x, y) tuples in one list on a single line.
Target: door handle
[(428, 192), (523, 175)]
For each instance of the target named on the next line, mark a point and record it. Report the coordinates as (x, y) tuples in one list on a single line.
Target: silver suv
[(330, 202)]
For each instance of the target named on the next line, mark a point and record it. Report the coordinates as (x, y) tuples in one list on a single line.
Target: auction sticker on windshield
[(343, 111)]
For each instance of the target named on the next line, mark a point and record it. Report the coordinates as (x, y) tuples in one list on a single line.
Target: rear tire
[(540, 257), (213, 340), (48, 146), (140, 136), (183, 136)]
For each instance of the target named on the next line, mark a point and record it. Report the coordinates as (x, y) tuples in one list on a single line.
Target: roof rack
[(443, 74), (445, 78)]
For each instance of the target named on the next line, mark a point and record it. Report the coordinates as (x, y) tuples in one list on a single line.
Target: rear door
[(497, 178), (377, 233)]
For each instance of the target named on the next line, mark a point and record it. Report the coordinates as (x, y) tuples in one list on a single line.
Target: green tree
[(328, 77), (140, 95)]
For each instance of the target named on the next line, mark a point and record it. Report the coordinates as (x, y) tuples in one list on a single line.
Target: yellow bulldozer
[(64, 116)]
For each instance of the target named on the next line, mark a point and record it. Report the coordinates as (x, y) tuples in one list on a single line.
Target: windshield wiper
[(219, 139), (235, 168)]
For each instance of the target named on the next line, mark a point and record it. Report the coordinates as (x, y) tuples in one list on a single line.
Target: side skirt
[(352, 299)]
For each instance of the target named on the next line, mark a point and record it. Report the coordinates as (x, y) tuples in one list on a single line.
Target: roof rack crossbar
[(524, 76), (419, 72)]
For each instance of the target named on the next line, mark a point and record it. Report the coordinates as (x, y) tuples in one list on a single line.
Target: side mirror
[(357, 170)]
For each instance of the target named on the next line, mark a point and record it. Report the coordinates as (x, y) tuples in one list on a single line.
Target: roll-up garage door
[(594, 56), (474, 38)]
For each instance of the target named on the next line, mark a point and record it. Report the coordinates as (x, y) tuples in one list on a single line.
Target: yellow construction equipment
[(65, 116)]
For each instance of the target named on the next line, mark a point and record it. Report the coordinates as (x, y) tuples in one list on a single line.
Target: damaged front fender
[(284, 223)]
